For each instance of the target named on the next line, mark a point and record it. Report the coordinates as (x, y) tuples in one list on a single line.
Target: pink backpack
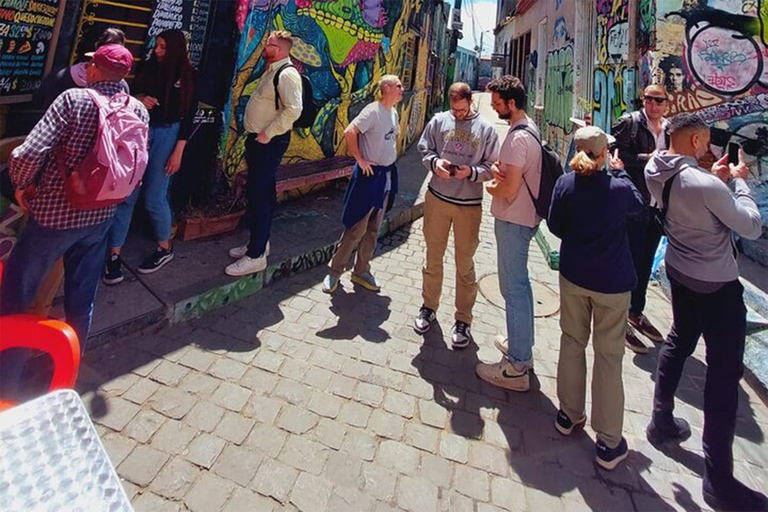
[(113, 169)]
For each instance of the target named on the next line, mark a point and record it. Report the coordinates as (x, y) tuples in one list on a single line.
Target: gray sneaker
[(330, 284)]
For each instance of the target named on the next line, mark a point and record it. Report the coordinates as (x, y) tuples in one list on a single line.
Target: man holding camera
[(703, 210), (458, 147)]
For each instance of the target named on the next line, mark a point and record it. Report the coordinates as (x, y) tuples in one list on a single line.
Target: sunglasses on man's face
[(657, 99)]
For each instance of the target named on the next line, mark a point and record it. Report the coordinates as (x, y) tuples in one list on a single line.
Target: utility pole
[(456, 27)]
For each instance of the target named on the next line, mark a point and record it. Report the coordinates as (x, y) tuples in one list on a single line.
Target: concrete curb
[(244, 287)]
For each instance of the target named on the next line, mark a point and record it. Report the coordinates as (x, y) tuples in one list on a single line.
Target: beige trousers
[(439, 216), (364, 233), (579, 309)]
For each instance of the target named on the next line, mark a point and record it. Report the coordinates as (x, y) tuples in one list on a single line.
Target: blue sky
[(485, 20)]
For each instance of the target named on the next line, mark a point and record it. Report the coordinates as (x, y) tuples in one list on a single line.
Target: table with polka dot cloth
[(51, 458)]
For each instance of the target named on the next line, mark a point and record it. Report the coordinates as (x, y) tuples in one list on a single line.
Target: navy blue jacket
[(589, 214), (366, 192)]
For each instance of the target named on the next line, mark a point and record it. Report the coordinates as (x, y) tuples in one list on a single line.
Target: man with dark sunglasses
[(638, 136)]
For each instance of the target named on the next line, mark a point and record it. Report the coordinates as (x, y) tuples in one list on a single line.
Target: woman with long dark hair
[(165, 83)]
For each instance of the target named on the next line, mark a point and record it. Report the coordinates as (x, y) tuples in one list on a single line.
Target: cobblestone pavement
[(293, 400)]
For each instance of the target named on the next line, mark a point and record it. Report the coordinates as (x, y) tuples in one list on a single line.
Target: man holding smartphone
[(703, 209), (458, 147), (638, 136)]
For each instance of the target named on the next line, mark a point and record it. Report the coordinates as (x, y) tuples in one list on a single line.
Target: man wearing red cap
[(63, 138)]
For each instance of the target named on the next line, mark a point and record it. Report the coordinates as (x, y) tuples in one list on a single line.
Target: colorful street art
[(614, 92), (612, 30), (343, 47), (614, 81), (558, 92), (711, 55), (646, 30), (719, 68)]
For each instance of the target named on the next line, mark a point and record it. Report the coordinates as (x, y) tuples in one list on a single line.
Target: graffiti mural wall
[(343, 47), (559, 77), (614, 79), (711, 55)]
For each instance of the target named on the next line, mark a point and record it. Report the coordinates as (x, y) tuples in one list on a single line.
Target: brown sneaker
[(505, 375), (645, 327), (633, 343)]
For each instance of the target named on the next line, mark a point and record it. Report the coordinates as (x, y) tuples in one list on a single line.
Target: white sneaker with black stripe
[(156, 261), (424, 320), (460, 335)]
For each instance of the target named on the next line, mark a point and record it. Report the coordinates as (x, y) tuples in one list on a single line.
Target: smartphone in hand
[(733, 153), (452, 169)]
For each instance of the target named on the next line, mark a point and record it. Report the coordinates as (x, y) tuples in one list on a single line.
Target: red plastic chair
[(53, 337)]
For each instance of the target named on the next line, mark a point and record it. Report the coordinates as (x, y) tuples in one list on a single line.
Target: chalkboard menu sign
[(29, 30), (191, 16), (131, 16)]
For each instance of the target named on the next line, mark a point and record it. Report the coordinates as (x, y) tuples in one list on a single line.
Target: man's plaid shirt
[(70, 125)]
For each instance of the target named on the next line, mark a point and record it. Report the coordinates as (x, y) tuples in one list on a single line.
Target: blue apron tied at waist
[(366, 192)]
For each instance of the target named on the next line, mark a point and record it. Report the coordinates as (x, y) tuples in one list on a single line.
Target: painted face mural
[(353, 28)]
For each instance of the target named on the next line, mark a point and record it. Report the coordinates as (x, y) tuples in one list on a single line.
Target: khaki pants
[(365, 233), (439, 216), (579, 307), (47, 292)]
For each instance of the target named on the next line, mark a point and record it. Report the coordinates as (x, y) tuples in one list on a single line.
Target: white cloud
[(485, 20)]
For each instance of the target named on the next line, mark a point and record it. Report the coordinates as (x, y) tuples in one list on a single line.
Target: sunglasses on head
[(657, 99)]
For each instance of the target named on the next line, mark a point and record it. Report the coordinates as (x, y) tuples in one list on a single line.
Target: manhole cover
[(546, 302)]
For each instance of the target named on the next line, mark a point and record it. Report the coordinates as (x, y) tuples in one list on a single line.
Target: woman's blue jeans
[(162, 141)]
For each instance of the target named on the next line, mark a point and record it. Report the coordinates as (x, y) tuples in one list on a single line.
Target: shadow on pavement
[(358, 317), (691, 392)]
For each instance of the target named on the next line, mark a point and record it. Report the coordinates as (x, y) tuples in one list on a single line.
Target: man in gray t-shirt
[(378, 127), (372, 140)]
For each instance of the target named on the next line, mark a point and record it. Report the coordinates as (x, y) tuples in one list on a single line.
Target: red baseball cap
[(115, 57)]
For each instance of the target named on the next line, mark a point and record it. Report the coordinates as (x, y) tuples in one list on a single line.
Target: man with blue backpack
[(521, 190)]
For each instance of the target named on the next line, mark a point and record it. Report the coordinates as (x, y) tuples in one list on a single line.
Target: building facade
[(466, 66), (589, 60)]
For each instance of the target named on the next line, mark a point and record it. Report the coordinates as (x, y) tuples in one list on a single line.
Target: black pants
[(643, 234), (721, 318), (263, 161)]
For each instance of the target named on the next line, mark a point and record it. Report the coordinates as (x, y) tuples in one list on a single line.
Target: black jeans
[(721, 318), (263, 161), (643, 234)]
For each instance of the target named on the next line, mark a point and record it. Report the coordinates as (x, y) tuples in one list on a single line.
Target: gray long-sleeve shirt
[(701, 214), (472, 141)]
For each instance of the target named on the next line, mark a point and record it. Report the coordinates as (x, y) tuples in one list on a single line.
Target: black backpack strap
[(665, 196), (635, 117), (276, 82), (528, 130)]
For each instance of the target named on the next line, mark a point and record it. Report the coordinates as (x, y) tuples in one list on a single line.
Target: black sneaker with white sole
[(113, 270), (609, 458), (156, 261), (424, 320), (565, 426), (461, 336)]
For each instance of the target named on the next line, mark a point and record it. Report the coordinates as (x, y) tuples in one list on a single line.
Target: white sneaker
[(505, 375), (239, 252), (246, 265)]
